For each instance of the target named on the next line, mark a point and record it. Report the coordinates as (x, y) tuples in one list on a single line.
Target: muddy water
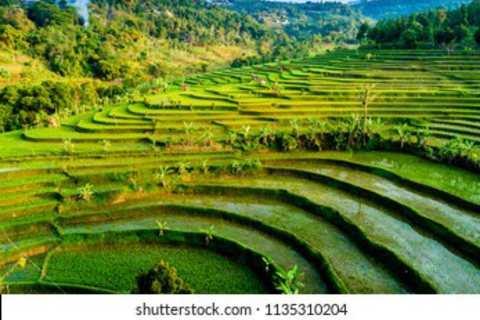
[(278, 251), (459, 182), (446, 271), (464, 222), (359, 272)]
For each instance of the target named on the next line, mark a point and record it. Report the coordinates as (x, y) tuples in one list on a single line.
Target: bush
[(477, 36), (161, 279)]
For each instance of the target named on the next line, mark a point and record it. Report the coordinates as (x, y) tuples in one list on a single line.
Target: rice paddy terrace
[(103, 197)]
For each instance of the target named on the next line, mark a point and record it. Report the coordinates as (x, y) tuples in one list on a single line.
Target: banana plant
[(209, 234), (290, 282), (188, 128), (207, 137), (85, 193), (163, 176), (162, 227), (404, 133), (246, 132)]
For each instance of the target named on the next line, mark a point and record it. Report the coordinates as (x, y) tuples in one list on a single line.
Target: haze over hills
[(379, 9)]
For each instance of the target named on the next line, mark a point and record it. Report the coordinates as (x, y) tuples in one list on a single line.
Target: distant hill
[(379, 9), (334, 21)]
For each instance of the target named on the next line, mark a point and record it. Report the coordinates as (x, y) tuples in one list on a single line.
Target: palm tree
[(209, 234), (162, 226), (86, 193), (366, 97)]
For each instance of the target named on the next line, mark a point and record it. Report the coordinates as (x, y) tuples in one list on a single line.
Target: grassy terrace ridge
[(360, 168)]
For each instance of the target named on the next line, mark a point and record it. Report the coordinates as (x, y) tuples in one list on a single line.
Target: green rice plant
[(115, 266)]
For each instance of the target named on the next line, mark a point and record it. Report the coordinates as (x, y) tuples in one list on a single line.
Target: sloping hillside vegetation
[(332, 21), (126, 44), (450, 29)]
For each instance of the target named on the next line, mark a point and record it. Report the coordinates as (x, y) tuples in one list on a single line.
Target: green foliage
[(477, 36), (209, 234), (115, 266), (161, 279), (49, 97), (332, 21), (162, 226), (68, 146), (290, 282), (248, 166), (85, 193), (435, 27)]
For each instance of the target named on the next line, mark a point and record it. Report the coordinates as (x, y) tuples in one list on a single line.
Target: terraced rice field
[(351, 221)]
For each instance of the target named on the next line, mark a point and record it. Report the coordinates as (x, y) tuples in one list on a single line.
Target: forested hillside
[(334, 21), (378, 9), (439, 27), (127, 43)]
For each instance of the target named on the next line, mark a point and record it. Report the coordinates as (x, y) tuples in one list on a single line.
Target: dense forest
[(378, 9), (437, 27), (334, 21)]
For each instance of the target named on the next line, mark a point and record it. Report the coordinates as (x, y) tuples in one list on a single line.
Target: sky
[(298, 1)]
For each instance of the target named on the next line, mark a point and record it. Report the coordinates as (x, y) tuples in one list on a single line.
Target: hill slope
[(379, 9)]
